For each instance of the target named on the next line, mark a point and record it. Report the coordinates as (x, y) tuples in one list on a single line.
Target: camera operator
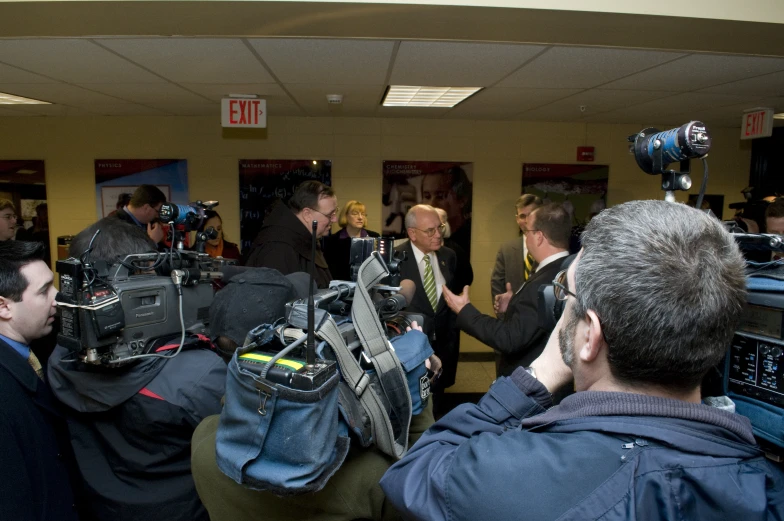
[(131, 425), (518, 339), (351, 493), (652, 302), (34, 477), (284, 242), (143, 210)]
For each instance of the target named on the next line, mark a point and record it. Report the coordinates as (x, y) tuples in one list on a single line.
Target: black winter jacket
[(131, 431), (284, 244)]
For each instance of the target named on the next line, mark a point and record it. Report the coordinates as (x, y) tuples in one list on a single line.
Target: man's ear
[(6, 311), (411, 234), (591, 340)]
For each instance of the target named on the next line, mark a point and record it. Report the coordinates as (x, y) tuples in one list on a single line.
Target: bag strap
[(377, 348)]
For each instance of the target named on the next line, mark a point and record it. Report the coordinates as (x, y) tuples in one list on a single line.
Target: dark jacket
[(439, 325), (337, 252), (34, 477), (518, 337), (284, 244), (131, 429), (124, 216), (598, 455)]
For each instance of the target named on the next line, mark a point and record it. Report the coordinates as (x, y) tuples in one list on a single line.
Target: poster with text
[(116, 179), (264, 181), (582, 189), (443, 184)]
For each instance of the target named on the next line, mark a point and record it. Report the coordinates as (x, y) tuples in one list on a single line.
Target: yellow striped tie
[(530, 266), (430, 283), (36, 365)]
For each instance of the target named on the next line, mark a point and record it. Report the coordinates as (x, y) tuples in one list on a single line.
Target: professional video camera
[(111, 315)]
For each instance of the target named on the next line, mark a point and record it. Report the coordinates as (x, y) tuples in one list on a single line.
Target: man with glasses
[(7, 220), (284, 241), (518, 339), (513, 263), (431, 266), (649, 310), (144, 209)]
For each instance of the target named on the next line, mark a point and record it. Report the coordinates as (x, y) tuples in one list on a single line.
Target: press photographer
[(132, 404)]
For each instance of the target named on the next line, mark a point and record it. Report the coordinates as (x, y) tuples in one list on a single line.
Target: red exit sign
[(756, 123), (243, 113)]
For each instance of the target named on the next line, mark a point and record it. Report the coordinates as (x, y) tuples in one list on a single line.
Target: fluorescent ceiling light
[(780, 115), (411, 96), (10, 99)]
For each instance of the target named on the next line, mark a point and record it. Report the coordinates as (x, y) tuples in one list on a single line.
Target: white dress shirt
[(419, 255)]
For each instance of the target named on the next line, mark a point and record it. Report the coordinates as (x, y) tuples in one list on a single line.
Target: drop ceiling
[(187, 76)]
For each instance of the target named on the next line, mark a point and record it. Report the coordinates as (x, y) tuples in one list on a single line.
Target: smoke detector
[(334, 99)]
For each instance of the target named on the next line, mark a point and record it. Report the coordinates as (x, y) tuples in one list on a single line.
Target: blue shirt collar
[(20, 348), (133, 217)]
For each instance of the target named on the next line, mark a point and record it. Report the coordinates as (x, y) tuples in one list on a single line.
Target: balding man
[(518, 338), (431, 265)]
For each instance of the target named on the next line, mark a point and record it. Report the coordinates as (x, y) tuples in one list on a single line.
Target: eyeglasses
[(356, 213), (331, 215), (432, 231), (9, 217), (559, 286)]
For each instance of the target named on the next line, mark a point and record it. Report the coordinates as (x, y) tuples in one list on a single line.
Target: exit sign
[(243, 113), (756, 123)]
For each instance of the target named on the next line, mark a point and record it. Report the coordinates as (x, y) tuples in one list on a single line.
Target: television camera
[(111, 315)]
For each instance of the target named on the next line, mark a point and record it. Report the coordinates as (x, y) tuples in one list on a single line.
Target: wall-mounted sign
[(585, 154), (243, 113), (756, 123)]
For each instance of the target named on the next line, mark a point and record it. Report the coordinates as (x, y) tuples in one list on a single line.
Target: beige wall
[(357, 146)]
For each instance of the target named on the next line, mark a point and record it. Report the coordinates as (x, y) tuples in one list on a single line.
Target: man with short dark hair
[(649, 310), (513, 264), (143, 210), (284, 242), (34, 477), (131, 423), (517, 338), (774, 217)]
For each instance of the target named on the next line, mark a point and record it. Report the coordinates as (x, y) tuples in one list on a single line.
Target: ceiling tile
[(53, 110), (336, 62), (457, 64), (188, 109), (193, 60), (583, 67), (11, 74), (127, 109), (358, 100), (218, 91), (6, 110), (591, 102), (72, 60), (500, 102), (148, 92), (411, 112), (768, 85), (698, 71)]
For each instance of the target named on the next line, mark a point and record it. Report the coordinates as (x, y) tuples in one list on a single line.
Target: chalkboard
[(264, 181)]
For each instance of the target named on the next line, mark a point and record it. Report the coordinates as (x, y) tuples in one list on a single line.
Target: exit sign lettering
[(243, 113), (756, 123)]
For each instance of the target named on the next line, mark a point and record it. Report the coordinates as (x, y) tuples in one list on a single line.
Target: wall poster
[(582, 189), (263, 181), (443, 184), (115, 179)]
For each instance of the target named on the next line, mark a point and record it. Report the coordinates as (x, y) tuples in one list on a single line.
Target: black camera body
[(111, 314)]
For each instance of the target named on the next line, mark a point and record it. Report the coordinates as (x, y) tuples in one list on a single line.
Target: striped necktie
[(36, 365), (430, 283), (530, 266)]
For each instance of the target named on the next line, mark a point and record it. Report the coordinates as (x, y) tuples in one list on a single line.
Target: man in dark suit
[(34, 476), (518, 337), (431, 266)]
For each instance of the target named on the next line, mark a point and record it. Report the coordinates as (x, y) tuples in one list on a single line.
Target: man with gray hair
[(649, 310)]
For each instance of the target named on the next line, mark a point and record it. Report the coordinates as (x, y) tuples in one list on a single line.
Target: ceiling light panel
[(418, 96), (10, 99)]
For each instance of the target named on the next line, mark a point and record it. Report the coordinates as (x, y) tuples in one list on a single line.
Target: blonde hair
[(351, 205), (5, 203)]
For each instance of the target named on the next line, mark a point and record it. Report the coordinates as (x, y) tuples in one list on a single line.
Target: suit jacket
[(439, 324), (518, 337), (509, 264), (35, 484)]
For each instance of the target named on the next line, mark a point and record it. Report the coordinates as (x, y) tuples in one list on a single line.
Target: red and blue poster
[(116, 179)]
